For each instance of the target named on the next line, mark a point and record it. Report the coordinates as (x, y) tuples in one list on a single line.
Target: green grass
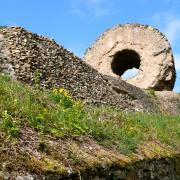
[(57, 114), (127, 131), (47, 112)]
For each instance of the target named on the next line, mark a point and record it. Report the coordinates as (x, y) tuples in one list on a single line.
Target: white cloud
[(177, 61), (169, 23), (177, 66), (172, 30), (89, 8)]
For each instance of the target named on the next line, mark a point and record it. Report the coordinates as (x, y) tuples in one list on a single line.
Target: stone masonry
[(134, 46), (31, 58)]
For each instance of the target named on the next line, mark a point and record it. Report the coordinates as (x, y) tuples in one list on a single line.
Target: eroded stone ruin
[(29, 58), (134, 46), (32, 58)]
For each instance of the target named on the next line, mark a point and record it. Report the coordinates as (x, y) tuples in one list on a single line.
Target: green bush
[(151, 92), (9, 125)]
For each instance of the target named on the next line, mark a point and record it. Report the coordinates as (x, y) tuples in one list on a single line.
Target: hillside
[(62, 119), (46, 134)]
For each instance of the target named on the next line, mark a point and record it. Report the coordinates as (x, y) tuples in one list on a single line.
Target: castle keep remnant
[(134, 46)]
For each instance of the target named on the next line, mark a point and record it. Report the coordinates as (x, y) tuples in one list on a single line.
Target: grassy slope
[(48, 131)]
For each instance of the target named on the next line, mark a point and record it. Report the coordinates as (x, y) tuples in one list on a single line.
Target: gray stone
[(27, 177), (54, 66), (170, 101)]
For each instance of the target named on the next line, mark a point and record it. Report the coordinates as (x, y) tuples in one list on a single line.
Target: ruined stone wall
[(146, 169), (33, 59), (160, 169), (137, 46)]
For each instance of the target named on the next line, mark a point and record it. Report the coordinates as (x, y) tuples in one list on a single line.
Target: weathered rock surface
[(35, 59), (134, 46), (152, 161), (160, 169), (169, 101)]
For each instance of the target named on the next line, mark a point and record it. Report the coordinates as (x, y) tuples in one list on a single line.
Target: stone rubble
[(32, 58)]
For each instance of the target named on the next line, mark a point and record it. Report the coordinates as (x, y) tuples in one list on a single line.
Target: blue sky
[(77, 23)]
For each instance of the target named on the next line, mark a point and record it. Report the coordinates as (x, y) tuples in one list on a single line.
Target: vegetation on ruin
[(151, 93), (30, 115)]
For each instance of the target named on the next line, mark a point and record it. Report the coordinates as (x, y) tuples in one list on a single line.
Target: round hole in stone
[(126, 60)]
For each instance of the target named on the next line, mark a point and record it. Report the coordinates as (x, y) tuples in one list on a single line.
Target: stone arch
[(157, 70), (124, 60)]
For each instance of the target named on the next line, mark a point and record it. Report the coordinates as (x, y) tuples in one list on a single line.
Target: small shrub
[(9, 126), (151, 93)]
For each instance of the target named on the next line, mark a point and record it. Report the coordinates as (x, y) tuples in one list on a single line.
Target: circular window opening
[(126, 63)]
